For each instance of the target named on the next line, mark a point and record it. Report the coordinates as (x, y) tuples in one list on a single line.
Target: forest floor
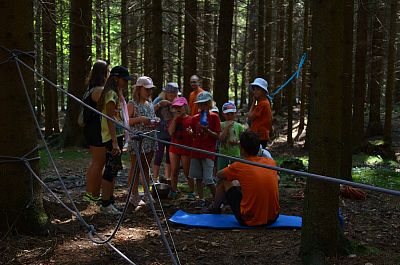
[(371, 224)]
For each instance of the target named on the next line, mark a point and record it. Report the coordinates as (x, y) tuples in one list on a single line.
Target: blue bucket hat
[(260, 82)]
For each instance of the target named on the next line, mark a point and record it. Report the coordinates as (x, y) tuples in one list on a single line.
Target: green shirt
[(233, 135)]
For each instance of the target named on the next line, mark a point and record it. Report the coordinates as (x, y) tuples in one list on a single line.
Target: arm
[(96, 94), (225, 132), (110, 111), (251, 114), (220, 175), (172, 125), (135, 120)]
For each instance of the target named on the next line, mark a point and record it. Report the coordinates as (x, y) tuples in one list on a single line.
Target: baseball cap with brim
[(179, 102), (144, 81), (260, 82), (203, 97), (171, 87), (228, 107), (121, 72)]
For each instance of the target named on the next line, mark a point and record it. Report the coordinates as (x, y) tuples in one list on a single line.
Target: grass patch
[(68, 153), (363, 250)]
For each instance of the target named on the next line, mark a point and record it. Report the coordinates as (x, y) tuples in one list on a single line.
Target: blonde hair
[(136, 92)]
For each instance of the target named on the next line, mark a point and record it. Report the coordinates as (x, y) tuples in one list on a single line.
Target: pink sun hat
[(179, 102)]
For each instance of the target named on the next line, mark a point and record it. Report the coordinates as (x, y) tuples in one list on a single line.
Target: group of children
[(170, 118)]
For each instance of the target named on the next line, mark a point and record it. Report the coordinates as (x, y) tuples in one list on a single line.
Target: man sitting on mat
[(256, 201)]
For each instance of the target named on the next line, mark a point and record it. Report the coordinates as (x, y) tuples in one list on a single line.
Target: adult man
[(256, 201), (195, 84)]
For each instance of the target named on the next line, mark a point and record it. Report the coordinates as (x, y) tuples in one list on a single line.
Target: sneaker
[(211, 209), (148, 199), (191, 196), (110, 209), (88, 197), (136, 200)]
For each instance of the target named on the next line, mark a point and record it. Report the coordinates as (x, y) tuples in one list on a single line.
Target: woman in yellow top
[(111, 103)]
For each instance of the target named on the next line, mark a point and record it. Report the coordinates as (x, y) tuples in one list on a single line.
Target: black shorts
[(92, 132), (234, 197)]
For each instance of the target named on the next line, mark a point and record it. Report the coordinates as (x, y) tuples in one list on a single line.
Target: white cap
[(145, 81)]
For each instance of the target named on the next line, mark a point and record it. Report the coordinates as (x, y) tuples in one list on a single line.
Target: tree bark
[(374, 127), (320, 234), (207, 38), (97, 9), (221, 95), (147, 38), (268, 39), (260, 39), (79, 66), (387, 132), (50, 68), (21, 206), (124, 34), (190, 43), (289, 61), (157, 46), (279, 62)]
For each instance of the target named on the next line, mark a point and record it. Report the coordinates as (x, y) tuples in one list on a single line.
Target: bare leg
[(199, 188), (222, 187), (175, 161), (186, 167), (212, 189), (156, 172), (95, 170)]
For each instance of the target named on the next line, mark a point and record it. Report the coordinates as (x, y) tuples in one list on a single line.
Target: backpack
[(85, 114)]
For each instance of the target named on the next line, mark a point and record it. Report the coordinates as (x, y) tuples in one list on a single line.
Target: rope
[(295, 74)]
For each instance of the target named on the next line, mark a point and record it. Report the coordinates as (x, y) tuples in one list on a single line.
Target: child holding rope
[(260, 114), (206, 127), (181, 133), (142, 118)]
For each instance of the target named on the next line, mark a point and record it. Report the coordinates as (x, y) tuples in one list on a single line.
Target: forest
[(332, 69)]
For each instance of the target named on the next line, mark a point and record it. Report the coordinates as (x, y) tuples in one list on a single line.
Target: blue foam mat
[(228, 221)]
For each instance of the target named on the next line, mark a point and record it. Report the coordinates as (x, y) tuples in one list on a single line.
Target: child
[(162, 107), (110, 103), (181, 133), (141, 113), (260, 114), (230, 134), (206, 127)]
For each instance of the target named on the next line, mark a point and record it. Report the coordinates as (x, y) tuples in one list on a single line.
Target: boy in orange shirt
[(260, 114), (256, 201)]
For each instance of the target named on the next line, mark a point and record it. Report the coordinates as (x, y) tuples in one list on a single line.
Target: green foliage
[(361, 249)]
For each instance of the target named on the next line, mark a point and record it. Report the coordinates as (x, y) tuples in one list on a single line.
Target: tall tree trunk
[(235, 56), (132, 43), (268, 39), (38, 63), (223, 52), (190, 42), (124, 34), (50, 68), (243, 94), (98, 7), (346, 165), (79, 66), (179, 44), (61, 55), (387, 132), (320, 234), (358, 130), (289, 61), (207, 73), (104, 28), (109, 30), (157, 46), (147, 38), (260, 39), (303, 91), (252, 40), (374, 122), (279, 62), (21, 205)]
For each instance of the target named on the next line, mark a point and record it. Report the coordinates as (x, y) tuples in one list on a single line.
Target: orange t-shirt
[(260, 195), (261, 123), (192, 98)]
